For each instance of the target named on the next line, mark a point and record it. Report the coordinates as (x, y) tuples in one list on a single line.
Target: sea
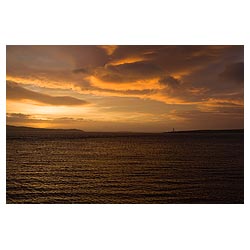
[(125, 168)]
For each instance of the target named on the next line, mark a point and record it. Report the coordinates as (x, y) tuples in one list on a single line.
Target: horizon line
[(169, 131)]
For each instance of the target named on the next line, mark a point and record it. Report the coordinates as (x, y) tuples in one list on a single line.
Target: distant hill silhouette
[(21, 132), (11, 128), (31, 129), (15, 132), (208, 131)]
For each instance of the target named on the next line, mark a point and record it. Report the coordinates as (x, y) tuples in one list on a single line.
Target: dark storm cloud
[(170, 82), (128, 72), (15, 92), (177, 57), (86, 56), (60, 66), (52, 66), (233, 72), (81, 70), (137, 69), (188, 73), (148, 51), (55, 57), (204, 78)]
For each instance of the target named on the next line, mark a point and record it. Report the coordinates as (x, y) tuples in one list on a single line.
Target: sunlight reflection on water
[(171, 168)]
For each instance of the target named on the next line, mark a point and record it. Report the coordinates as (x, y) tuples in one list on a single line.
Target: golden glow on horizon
[(109, 87), (31, 108)]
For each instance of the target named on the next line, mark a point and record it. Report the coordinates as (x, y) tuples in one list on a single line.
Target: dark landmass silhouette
[(31, 129), (208, 131), (23, 129), (16, 132), (23, 133)]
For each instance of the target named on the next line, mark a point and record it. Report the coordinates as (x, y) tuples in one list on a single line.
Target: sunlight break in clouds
[(136, 88)]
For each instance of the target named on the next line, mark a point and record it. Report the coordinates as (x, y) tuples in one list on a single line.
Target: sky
[(132, 88)]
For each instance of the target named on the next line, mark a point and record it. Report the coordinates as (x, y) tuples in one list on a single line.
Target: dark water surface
[(126, 168)]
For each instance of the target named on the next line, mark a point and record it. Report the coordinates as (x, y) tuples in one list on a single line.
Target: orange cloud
[(131, 59), (47, 83), (222, 102), (15, 92), (136, 85), (58, 80), (109, 49)]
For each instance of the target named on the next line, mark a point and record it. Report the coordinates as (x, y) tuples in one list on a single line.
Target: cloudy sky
[(126, 88)]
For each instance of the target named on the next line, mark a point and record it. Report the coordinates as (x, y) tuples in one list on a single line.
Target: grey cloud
[(80, 70), (128, 72), (173, 57), (170, 81), (18, 115), (55, 57), (225, 117), (19, 118), (204, 68), (70, 119), (138, 68), (15, 92), (233, 72), (147, 51)]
